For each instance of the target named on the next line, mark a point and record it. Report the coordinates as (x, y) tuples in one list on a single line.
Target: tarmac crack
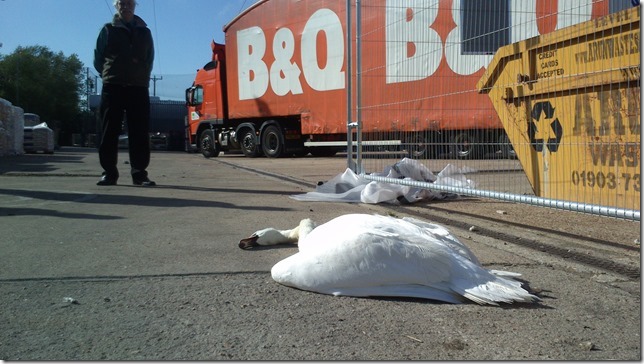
[(128, 277), (280, 177)]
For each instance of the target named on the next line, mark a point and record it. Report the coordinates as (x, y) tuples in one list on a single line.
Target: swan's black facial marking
[(249, 243)]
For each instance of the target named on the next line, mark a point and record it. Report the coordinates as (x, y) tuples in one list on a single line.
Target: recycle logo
[(546, 109)]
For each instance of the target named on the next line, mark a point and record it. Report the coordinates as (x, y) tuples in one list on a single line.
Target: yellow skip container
[(570, 104)]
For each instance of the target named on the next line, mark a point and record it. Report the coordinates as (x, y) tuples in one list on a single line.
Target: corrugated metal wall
[(168, 117)]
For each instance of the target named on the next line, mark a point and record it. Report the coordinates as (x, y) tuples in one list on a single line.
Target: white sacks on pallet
[(39, 138), (4, 137), (11, 129), (31, 119)]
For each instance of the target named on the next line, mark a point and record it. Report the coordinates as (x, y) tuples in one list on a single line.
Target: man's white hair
[(116, 2)]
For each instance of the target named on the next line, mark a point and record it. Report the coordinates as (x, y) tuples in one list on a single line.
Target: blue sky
[(182, 31)]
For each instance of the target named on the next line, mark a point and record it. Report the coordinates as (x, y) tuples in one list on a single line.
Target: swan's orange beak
[(249, 243)]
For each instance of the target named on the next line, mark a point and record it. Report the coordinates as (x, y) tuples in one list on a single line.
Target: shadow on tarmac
[(135, 200)]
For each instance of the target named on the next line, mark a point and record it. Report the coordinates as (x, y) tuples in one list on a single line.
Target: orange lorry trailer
[(279, 85)]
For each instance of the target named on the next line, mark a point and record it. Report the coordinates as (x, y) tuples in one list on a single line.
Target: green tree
[(45, 83)]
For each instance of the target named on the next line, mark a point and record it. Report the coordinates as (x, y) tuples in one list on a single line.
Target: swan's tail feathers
[(500, 290)]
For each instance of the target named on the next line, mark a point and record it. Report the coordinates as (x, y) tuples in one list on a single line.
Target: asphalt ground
[(136, 273)]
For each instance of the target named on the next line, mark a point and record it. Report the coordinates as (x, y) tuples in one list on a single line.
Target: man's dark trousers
[(135, 102)]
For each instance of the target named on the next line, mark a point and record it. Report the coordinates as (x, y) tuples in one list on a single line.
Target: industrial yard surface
[(132, 273)]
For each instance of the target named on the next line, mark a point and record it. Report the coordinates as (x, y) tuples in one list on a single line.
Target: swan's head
[(268, 236), (271, 236)]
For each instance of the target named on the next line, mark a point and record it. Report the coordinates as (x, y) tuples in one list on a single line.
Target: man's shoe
[(143, 182), (106, 181)]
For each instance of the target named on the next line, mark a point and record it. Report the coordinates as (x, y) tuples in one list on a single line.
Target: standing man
[(123, 57)]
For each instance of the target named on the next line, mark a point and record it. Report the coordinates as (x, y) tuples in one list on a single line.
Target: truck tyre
[(417, 146), (248, 144), (507, 149), (208, 145), (463, 145), (272, 141)]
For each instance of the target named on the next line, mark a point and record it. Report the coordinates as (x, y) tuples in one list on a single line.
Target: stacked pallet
[(31, 119), (11, 129), (39, 138)]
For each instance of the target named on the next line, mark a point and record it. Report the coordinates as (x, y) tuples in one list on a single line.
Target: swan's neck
[(271, 236), (288, 236), (304, 228), (299, 232)]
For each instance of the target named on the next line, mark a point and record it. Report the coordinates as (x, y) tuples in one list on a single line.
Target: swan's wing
[(474, 282), (304, 272), (446, 237), (365, 263)]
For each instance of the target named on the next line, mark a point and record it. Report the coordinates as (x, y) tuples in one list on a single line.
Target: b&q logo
[(547, 111)]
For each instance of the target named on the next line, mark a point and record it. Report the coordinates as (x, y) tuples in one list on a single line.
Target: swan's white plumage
[(371, 255)]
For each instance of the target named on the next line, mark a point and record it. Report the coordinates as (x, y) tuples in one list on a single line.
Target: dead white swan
[(371, 255)]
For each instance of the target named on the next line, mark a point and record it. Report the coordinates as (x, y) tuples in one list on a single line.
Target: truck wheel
[(248, 144), (208, 145), (506, 147), (463, 145), (272, 142), (417, 146)]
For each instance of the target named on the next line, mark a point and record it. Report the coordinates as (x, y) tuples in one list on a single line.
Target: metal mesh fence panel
[(536, 101)]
